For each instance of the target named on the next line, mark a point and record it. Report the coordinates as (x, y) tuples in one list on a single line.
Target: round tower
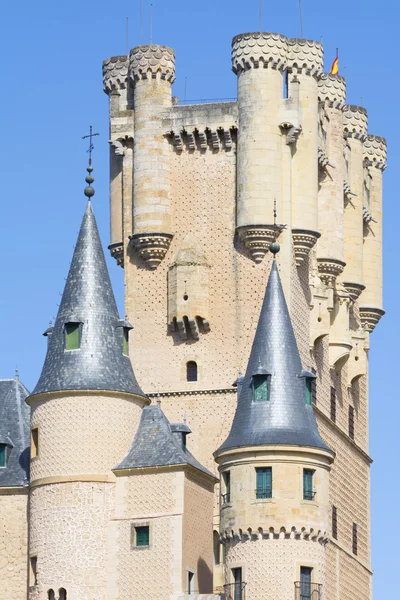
[(84, 408), (305, 63), (274, 469), (375, 163), (355, 122), (258, 59), (117, 87), (152, 71)]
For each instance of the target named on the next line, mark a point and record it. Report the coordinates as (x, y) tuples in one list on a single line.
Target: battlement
[(375, 151), (332, 88), (252, 50), (153, 61), (115, 73), (355, 119)]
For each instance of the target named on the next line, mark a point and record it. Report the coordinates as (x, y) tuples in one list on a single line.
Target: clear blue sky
[(51, 91)]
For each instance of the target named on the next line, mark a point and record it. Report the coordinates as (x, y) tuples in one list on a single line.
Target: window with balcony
[(306, 589), (308, 484), (263, 482)]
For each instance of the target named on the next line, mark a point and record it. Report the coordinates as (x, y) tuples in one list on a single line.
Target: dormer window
[(3, 455), (261, 387), (309, 390), (309, 382), (72, 336), (125, 343)]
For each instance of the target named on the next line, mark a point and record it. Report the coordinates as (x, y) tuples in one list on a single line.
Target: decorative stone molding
[(370, 316), (375, 151), (257, 238), (151, 60), (329, 269), (118, 147), (169, 394), (353, 289), (332, 88), (151, 247), (293, 134), (303, 241), (193, 139), (305, 55), (258, 49), (115, 73), (357, 365), (285, 533), (355, 120), (117, 252)]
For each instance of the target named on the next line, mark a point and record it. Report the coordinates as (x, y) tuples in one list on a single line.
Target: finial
[(274, 247), (89, 190), (17, 373)]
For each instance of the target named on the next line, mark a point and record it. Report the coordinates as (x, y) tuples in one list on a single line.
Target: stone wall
[(13, 545)]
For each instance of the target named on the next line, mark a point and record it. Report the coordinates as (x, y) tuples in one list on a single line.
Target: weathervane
[(91, 146), (89, 190)]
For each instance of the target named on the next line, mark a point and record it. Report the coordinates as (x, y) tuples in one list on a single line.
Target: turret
[(274, 465), (259, 60), (305, 63), (371, 309), (84, 408), (152, 72)]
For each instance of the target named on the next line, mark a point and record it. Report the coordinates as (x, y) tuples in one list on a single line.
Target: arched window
[(191, 371), (51, 595), (62, 594)]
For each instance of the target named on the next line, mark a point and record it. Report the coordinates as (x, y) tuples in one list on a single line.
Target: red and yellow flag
[(335, 66)]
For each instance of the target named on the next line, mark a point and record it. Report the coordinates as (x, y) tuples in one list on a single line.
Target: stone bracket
[(151, 247), (257, 238), (303, 242)]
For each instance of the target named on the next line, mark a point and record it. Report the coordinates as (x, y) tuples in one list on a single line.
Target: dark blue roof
[(14, 432), (284, 418), (88, 298), (155, 444)]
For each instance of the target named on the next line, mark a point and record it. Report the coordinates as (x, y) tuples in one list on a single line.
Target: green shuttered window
[(308, 484), (142, 536), (3, 455), (72, 336), (260, 388), (264, 482)]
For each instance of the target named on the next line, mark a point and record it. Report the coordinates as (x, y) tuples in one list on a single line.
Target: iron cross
[(91, 146)]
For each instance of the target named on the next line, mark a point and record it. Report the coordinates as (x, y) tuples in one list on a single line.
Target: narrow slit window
[(190, 585), (334, 522), (34, 442), (226, 478), (125, 347), (355, 539), (3, 455), (33, 571), (264, 482), (314, 388), (333, 404), (191, 371), (72, 336), (142, 535), (260, 388), (351, 422), (308, 484)]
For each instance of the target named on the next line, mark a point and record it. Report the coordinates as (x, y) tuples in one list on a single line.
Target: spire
[(282, 416), (88, 306), (14, 433)]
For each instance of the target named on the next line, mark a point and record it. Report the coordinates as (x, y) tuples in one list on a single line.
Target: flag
[(335, 66)]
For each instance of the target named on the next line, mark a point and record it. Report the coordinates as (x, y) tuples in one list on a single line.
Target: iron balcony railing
[(309, 495), (235, 591), (307, 591), (264, 493), (226, 498)]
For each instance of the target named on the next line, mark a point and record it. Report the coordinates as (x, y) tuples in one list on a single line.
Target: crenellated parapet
[(332, 88), (151, 61), (258, 49), (285, 532), (355, 121), (375, 151), (305, 55), (115, 73)]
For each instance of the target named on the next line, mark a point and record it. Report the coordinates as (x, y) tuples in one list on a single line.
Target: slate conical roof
[(88, 299), (284, 418), (155, 444), (14, 432)]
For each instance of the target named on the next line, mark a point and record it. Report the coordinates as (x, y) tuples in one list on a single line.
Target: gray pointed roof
[(88, 298), (14, 432), (155, 444), (284, 418)]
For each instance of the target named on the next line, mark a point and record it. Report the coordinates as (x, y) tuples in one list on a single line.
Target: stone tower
[(192, 191), (85, 407)]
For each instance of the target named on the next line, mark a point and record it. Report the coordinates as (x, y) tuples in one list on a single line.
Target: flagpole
[(301, 19), (260, 15)]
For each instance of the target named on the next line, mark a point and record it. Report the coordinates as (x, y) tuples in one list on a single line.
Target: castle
[(231, 462)]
